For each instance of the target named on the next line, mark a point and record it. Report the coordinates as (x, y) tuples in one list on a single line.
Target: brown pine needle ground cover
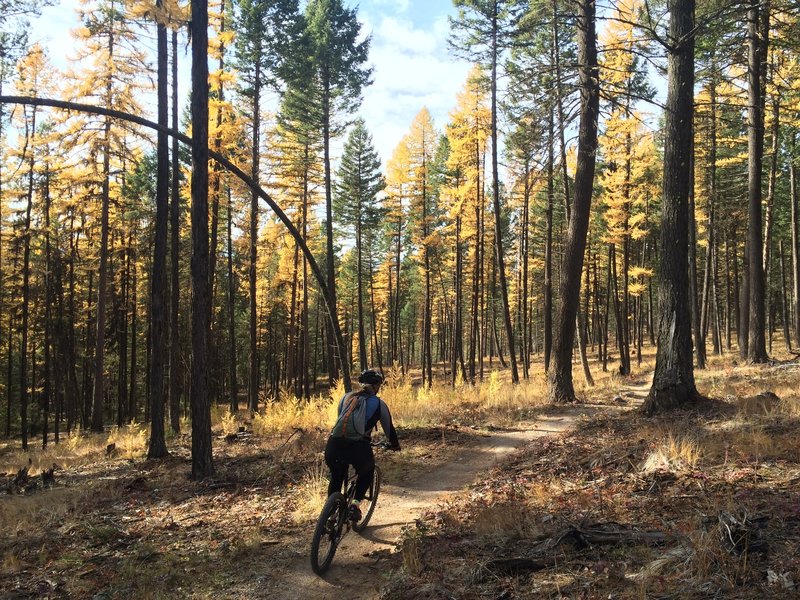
[(117, 527), (691, 505), (112, 524)]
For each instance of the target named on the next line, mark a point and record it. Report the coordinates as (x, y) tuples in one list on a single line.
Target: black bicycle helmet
[(371, 377)]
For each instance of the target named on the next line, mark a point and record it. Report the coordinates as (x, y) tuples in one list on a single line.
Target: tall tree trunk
[(555, 49), (26, 291), (773, 175), (375, 340), (362, 336), (524, 250), (787, 338), (158, 300), (132, 404), (457, 329), (498, 217), (234, 383), (560, 376), (708, 282), (216, 188), (757, 349), (474, 338), (306, 347), (333, 359), (202, 463), (122, 337), (252, 394), (216, 183), (102, 281), (673, 380), (175, 369), (48, 307), (795, 202), (742, 297), (699, 339), (547, 307)]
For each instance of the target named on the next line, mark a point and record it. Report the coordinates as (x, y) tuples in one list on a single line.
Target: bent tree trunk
[(230, 167), (673, 381), (560, 377)]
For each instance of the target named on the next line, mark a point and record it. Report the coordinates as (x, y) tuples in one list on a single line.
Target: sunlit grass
[(78, 448), (673, 453), (310, 494), (129, 441)]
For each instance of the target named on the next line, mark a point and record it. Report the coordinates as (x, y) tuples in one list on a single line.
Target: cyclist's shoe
[(355, 513)]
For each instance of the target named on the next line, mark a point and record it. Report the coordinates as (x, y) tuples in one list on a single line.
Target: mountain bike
[(334, 521)]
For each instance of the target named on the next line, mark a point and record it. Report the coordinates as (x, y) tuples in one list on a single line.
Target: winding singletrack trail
[(358, 568)]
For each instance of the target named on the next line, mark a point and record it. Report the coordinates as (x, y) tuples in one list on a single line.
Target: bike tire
[(328, 532), (370, 500)]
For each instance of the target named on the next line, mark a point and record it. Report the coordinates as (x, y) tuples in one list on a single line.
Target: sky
[(412, 67)]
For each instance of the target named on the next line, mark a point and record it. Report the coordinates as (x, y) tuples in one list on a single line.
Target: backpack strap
[(352, 403)]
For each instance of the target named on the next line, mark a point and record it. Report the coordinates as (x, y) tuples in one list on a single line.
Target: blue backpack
[(352, 420)]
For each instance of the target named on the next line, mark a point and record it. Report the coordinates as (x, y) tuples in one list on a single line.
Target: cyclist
[(349, 441)]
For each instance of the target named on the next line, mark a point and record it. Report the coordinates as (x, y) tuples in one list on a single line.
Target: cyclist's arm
[(388, 426)]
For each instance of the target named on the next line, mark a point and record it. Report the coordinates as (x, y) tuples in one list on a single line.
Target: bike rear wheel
[(328, 532), (370, 500)]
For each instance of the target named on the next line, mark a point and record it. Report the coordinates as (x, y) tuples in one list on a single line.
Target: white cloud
[(412, 70)]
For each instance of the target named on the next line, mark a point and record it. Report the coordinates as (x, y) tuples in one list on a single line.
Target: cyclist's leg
[(336, 459), (363, 461)]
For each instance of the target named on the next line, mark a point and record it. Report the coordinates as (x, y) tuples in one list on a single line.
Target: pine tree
[(338, 59), (355, 205)]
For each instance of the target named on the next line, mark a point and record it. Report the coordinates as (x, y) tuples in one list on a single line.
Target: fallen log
[(543, 554)]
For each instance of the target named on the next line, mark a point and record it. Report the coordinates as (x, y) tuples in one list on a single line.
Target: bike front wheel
[(370, 500), (328, 532)]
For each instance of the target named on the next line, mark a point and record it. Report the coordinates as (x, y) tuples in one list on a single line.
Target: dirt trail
[(359, 565)]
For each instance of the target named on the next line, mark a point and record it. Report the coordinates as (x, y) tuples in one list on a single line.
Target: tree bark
[(699, 338), (757, 349), (673, 381), (252, 393), (333, 365), (202, 462), (234, 380), (560, 378), (547, 305), (787, 338), (175, 369), (26, 270), (158, 301), (795, 201)]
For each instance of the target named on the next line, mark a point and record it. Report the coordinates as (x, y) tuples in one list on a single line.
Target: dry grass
[(678, 475), (673, 453), (77, 449), (310, 494)]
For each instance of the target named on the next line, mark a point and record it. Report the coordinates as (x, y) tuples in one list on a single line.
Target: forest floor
[(585, 501)]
